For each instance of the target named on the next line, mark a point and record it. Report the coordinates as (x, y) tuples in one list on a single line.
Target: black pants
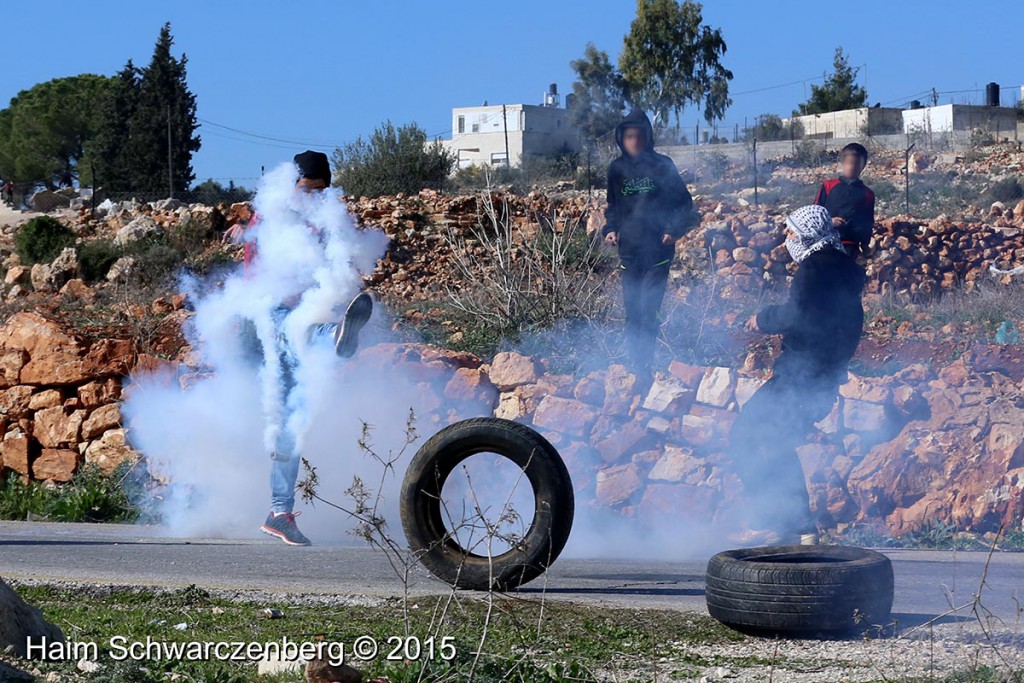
[(762, 445), (643, 290)]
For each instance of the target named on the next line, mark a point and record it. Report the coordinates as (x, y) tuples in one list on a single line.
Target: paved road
[(926, 581)]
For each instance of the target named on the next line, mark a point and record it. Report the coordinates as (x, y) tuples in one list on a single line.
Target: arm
[(780, 318), (683, 215), (611, 213)]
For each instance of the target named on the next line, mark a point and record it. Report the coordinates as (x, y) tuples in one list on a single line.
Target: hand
[(751, 325), (234, 233), (668, 239), (838, 222), (612, 239)]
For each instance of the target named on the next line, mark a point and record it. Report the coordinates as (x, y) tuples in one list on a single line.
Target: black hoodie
[(822, 321), (647, 198)]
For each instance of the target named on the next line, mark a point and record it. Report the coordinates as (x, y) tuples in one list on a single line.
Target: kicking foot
[(282, 525), (346, 336)]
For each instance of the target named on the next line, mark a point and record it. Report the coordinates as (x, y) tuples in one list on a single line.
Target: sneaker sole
[(281, 537), (356, 317)]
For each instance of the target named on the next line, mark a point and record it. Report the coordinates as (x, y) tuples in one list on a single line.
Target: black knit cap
[(314, 165)]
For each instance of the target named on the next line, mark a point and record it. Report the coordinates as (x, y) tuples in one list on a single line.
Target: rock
[(77, 289), (862, 416), (471, 385), (11, 363), (109, 451), (866, 389), (123, 269), (100, 420), (716, 389), (40, 277), (55, 465), (590, 390), (689, 375), (616, 485), (169, 204), (45, 201), (746, 387), (14, 452), (54, 357), (510, 407), (56, 427), (49, 398), (17, 275), (62, 269), (696, 430), (621, 443), (668, 395), (565, 415), (14, 402), (678, 464), (510, 370), (619, 397), (683, 503), (21, 623), (139, 229), (99, 392), (322, 671)]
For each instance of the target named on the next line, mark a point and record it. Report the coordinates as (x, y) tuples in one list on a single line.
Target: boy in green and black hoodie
[(649, 208)]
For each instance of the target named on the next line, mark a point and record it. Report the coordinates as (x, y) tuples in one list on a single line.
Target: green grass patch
[(90, 496)]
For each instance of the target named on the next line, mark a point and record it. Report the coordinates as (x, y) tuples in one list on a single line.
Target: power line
[(268, 137)]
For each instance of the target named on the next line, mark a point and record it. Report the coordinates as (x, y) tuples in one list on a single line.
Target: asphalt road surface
[(927, 582)]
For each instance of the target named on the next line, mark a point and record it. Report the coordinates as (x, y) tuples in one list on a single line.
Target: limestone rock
[(511, 370), (565, 415), (55, 465), (716, 389), (20, 622), (616, 485), (109, 451)]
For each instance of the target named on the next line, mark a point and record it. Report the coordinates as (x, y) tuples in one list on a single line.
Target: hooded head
[(636, 119), (313, 167), (811, 230)]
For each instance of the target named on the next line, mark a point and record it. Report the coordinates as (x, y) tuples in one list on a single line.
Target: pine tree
[(839, 92), (110, 149), (164, 103)]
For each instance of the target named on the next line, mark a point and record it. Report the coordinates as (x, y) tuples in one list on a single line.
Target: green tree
[(671, 59), (164, 102), (598, 98), (393, 160), (46, 130), (113, 163), (839, 91)]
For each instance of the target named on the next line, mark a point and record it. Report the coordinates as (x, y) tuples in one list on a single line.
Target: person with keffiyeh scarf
[(821, 325)]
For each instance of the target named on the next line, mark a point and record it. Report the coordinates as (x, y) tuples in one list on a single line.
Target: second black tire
[(800, 590), (422, 513)]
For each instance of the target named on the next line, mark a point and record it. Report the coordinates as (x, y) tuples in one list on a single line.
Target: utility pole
[(504, 121), (756, 202), (170, 170), (906, 176)]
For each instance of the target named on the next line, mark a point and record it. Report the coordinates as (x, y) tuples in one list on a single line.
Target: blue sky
[(320, 74)]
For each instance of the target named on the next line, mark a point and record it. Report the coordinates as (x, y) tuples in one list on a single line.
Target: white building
[(481, 135), (946, 118)]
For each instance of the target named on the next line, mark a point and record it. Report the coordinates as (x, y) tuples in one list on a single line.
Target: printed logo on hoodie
[(637, 186)]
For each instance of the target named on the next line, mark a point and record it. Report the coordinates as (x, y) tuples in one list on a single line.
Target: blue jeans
[(285, 460)]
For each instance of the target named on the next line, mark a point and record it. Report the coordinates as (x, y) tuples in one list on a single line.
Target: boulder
[(716, 388), (668, 395), (689, 375), (678, 464), (590, 390), (109, 451), (510, 370), (565, 415), (55, 464), (100, 392), (123, 269), (56, 427), (48, 398), (101, 420), (746, 387), (472, 386), (622, 442), (21, 623), (510, 407), (683, 503), (616, 485), (17, 275), (45, 201), (862, 416), (11, 363), (54, 357), (14, 452), (14, 402), (139, 229)]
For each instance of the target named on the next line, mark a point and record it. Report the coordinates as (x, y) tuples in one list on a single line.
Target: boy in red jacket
[(849, 201)]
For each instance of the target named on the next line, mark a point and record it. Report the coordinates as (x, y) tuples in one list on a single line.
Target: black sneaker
[(283, 526), (346, 336)]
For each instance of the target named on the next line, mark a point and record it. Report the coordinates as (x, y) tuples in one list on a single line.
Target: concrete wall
[(478, 133), (851, 123)]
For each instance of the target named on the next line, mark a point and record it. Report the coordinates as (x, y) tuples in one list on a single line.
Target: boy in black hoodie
[(850, 202), (821, 326), (649, 208)]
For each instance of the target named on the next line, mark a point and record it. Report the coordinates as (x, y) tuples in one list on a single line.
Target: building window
[(462, 124), (499, 159), (476, 127)]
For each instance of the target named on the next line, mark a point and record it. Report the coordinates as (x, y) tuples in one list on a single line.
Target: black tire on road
[(800, 590), (423, 516)]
